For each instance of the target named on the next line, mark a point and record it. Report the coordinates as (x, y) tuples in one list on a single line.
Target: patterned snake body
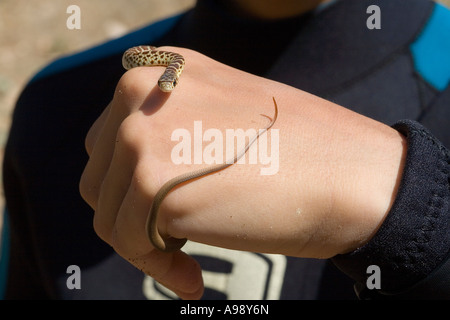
[(149, 56)]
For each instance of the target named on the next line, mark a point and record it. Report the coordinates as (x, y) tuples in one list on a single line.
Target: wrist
[(370, 183), (418, 219)]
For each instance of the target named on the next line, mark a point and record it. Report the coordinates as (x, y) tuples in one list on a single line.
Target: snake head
[(167, 86)]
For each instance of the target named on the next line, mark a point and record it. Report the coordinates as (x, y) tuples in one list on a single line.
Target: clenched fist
[(318, 183)]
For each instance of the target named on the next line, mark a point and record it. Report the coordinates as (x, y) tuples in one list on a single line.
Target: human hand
[(336, 177)]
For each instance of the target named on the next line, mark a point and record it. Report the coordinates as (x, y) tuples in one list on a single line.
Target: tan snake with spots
[(142, 56)]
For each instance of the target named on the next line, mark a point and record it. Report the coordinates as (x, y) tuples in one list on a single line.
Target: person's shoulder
[(431, 48), (421, 28)]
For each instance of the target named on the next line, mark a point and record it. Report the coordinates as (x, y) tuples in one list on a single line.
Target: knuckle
[(134, 86), (131, 134)]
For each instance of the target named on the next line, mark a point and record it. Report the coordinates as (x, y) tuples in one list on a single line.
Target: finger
[(128, 166), (128, 97), (114, 188), (183, 276), (176, 271), (94, 131), (128, 221), (99, 161)]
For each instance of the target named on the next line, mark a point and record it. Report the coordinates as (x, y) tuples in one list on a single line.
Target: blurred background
[(32, 33)]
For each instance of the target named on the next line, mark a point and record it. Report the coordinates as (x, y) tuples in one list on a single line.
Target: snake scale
[(147, 56)]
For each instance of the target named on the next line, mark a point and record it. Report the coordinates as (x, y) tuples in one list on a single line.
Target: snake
[(141, 56), (147, 56)]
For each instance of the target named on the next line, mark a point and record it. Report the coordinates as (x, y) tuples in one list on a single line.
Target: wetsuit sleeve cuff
[(410, 251)]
